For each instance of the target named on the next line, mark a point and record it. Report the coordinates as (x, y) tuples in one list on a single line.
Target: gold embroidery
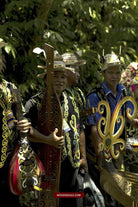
[(73, 123), (68, 139), (7, 100), (109, 138), (64, 151), (76, 138)]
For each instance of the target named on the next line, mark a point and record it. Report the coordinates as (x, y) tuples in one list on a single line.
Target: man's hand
[(83, 164), (23, 126), (52, 139), (56, 141)]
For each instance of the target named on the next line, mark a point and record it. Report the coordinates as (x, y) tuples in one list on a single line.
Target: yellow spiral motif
[(28, 166), (74, 127), (5, 133), (109, 137), (5, 103)]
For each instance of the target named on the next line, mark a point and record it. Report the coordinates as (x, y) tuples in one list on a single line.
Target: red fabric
[(15, 184), (14, 174)]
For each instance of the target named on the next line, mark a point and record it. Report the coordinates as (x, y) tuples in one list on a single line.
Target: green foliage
[(19, 26), (90, 27), (72, 25)]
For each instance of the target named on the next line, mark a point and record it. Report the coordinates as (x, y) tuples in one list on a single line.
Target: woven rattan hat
[(110, 60), (71, 59), (59, 65)]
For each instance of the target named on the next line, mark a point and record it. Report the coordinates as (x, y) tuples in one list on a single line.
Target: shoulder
[(80, 98), (122, 89), (92, 95), (95, 95), (92, 100), (79, 92), (67, 92), (120, 86), (94, 92)]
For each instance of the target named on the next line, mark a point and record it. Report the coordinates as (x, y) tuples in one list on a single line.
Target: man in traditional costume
[(9, 127), (74, 148), (93, 196), (102, 155), (74, 154), (32, 108), (72, 90)]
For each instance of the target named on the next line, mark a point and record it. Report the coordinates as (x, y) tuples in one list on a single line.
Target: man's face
[(60, 81), (112, 76)]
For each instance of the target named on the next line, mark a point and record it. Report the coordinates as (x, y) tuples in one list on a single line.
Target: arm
[(34, 134), (52, 139), (95, 139), (83, 161), (92, 101)]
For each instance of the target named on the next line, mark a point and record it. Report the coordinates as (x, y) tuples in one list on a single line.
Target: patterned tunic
[(8, 140), (8, 136), (73, 103)]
